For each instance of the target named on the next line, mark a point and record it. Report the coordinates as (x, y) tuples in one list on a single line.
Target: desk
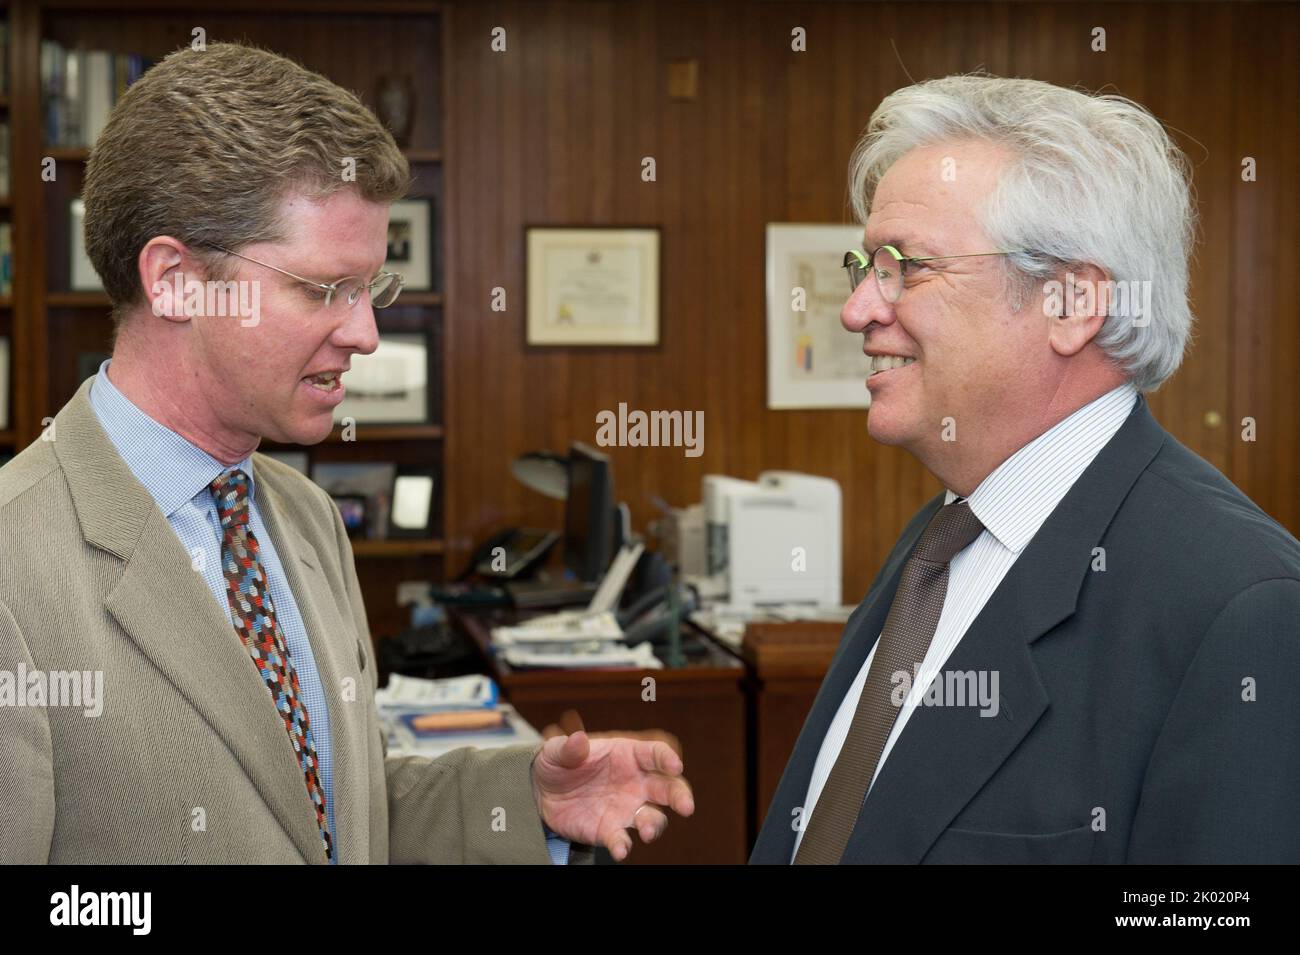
[(702, 703), (787, 663)]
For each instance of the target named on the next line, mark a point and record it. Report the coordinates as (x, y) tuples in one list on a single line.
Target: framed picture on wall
[(812, 362), (592, 286), (82, 275), (410, 243), (390, 386)]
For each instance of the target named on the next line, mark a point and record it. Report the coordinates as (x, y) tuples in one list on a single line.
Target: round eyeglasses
[(384, 288), (890, 267)]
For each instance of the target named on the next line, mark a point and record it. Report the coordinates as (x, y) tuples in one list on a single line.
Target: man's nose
[(358, 331), (865, 305)]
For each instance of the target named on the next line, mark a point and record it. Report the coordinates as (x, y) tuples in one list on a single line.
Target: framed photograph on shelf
[(812, 362), (82, 275), (414, 500), (592, 286), (390, 386), (363, 493), (410, 243)]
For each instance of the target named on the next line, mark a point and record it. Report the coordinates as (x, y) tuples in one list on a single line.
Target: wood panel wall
[(553, 131)]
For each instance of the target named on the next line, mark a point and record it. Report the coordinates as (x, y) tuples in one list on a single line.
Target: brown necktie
[(909, 628)]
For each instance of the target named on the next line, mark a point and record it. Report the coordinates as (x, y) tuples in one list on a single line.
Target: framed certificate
[(592, 286), (812, 362)]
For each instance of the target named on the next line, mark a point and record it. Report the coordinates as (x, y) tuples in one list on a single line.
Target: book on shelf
[(4, 159), (6, 259), (79, 89)]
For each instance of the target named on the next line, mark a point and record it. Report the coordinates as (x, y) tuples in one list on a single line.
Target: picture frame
[(593, 285), (362, 491), (410, 243), (812, 362), (415, 503), (82, 276), (390, 386), (353, 513)]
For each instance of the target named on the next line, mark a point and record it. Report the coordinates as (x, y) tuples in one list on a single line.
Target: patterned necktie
[(909, 629), (253, 614)]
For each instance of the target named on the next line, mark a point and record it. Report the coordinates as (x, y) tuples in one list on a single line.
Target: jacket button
[(361, 656)]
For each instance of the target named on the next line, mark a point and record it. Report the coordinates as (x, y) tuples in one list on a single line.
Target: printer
[(773, 541)]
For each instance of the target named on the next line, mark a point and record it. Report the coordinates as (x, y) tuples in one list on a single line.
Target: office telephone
[(512, 554)]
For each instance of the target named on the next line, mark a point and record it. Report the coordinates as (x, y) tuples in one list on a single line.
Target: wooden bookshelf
[(396, 548), (55, 329), (77, 300), (68, 153)]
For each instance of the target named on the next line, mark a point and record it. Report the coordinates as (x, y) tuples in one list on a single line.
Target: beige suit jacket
[(188, 761)]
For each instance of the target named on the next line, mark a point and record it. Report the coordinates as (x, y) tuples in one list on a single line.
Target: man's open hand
[(592, 790)]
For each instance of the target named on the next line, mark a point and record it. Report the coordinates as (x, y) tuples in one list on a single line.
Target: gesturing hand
[(593, 790)]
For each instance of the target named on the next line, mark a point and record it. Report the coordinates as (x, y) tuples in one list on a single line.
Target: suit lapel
[(775, 843), (167, 610), (336, 660), (945, 754)]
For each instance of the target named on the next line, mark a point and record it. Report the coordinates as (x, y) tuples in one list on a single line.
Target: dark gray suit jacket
[(1125, 731)]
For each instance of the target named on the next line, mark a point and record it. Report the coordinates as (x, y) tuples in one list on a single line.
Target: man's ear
[(1084, 304), (165, 264)]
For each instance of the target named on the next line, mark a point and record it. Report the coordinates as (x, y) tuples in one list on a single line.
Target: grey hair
[(1097, 180)]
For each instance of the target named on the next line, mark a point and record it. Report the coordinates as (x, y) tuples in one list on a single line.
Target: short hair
[(1096, 180), (207, 144)]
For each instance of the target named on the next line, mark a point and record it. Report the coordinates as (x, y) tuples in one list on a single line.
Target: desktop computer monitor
[(589, 514)]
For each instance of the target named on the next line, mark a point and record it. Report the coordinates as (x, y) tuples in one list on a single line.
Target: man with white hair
[(1085, 650)]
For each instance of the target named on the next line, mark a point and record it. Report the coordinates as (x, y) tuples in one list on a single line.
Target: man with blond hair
[(212, 587), (1086, 649)]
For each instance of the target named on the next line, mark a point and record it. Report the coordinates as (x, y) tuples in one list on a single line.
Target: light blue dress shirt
[(177, 473)]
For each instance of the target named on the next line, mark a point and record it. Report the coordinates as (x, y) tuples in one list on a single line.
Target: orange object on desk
[(459, 720)]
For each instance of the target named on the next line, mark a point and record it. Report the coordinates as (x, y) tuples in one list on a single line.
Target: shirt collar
[(1018, 496), (172, 469)]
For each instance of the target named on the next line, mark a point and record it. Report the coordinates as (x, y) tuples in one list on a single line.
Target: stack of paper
[(432, 717), (572, 639)]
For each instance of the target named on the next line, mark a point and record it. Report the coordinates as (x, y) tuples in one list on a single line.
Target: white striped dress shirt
[(1012, 503)]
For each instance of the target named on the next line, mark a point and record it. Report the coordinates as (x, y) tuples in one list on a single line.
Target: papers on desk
[(432, 717), (583, 639), (727, 623), (456, 692), (573, 626), (584, 656)]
